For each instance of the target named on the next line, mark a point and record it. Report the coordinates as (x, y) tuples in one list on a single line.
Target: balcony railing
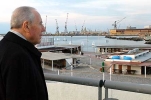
[(124, 86)]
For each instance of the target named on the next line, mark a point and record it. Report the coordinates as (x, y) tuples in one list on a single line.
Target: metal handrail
[(125, 86), (77, 80), (74, 80)]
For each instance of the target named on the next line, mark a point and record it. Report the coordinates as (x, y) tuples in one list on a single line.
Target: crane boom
[(120, 20), (116, 22)]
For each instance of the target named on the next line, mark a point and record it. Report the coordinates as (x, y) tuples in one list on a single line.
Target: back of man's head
[(21, 14)]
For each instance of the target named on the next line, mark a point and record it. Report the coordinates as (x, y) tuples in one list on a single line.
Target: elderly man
[(21, 74)]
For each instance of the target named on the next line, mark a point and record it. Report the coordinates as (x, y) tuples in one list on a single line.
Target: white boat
[(93, 43), (147, 38), (70, 42), (58, 39), (64, 39)]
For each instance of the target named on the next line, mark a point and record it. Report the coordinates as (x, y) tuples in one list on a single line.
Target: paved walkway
[(89, 72)]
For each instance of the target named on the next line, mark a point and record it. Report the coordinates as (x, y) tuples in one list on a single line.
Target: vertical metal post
[(90, 59), (103, 76), (99, 93), (82, 46), (87, 43), (105, 50), (145, 71), (106, 93), (71, 40), (52, 65), (58, 72), (53, 40), (110, 73), (71, 44), (71, 50), (71, 70)]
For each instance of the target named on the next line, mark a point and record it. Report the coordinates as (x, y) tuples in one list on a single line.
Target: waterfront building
[(106, 49), (127, 59), (130, 31)]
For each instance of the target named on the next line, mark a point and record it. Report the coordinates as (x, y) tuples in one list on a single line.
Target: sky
[(98, 15)]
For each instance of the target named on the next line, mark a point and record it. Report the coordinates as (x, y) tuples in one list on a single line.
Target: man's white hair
[(21, 14)]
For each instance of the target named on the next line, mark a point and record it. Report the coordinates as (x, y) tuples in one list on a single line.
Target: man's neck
[(17, 33)]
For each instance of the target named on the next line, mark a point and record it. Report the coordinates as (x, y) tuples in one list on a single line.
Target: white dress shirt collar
[(17, 33)]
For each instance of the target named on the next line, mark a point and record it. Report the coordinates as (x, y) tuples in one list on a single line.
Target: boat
[(147, 38), (93, 43), (64, 39)]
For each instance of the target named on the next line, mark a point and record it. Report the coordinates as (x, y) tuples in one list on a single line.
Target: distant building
[(131, 31), (132, 62), (126, 59), (130, 27), (147, 27), (74, 32)]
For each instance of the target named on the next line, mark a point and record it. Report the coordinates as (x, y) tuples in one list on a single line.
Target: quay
[(120, 59), (90, 68)]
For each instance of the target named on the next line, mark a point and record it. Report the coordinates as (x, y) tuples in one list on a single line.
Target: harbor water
[(88, 43)]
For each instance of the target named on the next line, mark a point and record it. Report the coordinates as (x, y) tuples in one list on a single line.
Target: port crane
[(116, 22), (57, 27), (75, 28), (66, 31), (45, 25), (82, 27)]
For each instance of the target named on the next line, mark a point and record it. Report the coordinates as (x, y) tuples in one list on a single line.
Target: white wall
[(66, 91), (124, 67), (137, 68)]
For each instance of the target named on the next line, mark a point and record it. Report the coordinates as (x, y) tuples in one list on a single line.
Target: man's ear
[(25, 26)]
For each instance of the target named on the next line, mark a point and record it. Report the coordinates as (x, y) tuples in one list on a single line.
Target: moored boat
[(147, 38)]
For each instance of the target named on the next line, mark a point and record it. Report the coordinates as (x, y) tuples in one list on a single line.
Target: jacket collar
[(22, 42)]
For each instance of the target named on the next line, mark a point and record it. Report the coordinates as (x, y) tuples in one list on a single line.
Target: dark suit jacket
[(21, 74)]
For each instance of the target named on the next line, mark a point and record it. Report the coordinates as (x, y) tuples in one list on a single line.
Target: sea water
[(88, 43)]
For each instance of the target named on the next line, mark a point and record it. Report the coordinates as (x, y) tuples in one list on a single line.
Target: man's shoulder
[(11, 48)]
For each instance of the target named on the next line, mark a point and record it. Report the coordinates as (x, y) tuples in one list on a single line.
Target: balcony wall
[(66, 91)]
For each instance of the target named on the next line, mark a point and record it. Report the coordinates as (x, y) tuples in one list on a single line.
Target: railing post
[(90, 59), (58, 72), (99, 93), (106, 93)]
